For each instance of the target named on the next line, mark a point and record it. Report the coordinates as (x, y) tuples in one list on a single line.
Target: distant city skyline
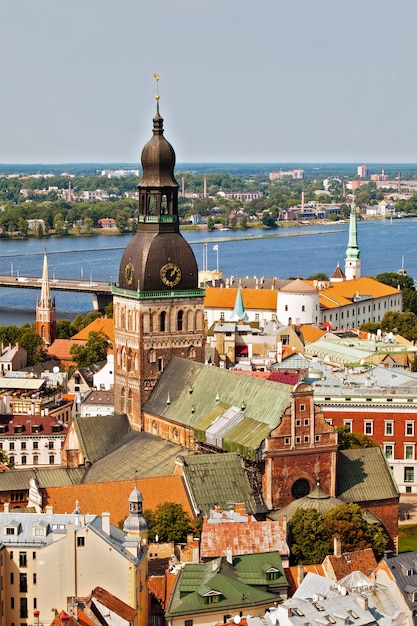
[(273, 81)]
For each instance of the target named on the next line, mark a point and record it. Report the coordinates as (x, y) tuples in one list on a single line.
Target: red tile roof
[(243, 538), (292, 574), (282, 376), (337, 567), (114, 604)]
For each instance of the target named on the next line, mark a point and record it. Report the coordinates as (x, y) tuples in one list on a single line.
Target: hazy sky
[(259, 81)]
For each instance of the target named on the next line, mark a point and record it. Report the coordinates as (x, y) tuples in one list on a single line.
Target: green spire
[(352, 251)]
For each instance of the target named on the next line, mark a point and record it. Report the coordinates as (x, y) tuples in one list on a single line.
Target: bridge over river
[(100, 290)]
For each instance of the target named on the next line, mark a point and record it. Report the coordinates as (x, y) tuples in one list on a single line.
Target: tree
[(93, 351), (311, 538), (267, 220), (347, 440), (171, 522), (346, 522), (64, 329), (33, 344)]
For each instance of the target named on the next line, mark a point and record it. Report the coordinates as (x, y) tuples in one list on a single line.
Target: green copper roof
[(196, 395), (220, 479), (364, 475), (236, 586), (352, 251)]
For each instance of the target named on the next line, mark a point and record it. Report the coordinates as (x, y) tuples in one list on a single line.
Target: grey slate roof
[(364, 475), (317, 499), (403, 568), (187, 391), (48, 477), (220, 479)]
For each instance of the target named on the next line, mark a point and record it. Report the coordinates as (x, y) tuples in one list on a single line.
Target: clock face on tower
[(129, 270), (170, 274)]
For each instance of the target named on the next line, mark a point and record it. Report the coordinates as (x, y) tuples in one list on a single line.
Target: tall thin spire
[(352, 261), (45, 308)]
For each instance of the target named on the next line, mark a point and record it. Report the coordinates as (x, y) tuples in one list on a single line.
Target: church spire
[(45, 308), (352, 261), (239, 314)]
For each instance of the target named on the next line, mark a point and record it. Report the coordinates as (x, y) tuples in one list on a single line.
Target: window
[(11, 445), (306, 438), (80, 542), (162, 320), (34, 556), (23, 460), (22, 559), (180, 317), (348, 424), (298, 422), (368, 428), (316, 438), (389, 450), (302, 407), (12, 578), (409, 452), (50, 445), (12, 603), (409, 429), (389, 428), (287, 441), (306, 422), (34, 579), (51, 460), (23, 445), (408, 474), (36, 445), (23, 608), (188, 622), (23, 583), (35, 459), (160, 364), (10, 530)]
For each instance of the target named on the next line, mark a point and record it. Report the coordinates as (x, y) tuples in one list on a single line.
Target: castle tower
[(158, 307), (45, 309), (352, 261)]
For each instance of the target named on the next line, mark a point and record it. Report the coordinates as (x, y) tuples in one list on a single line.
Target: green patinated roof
[(220, 479), (241, 584), (48, 477), (100, 433), (364, 475), (139, 453), (191, 393)]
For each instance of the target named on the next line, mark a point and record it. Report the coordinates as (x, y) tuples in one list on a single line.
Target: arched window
[(162, 321), (152, 356), (122, 400), (164, 205), (180, 316), (191, 352), (152, 205), (130, 402)]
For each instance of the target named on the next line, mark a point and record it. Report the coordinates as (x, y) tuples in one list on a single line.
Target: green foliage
[(93, 351), (313, 533), (108, 311), (318, 276), (311, 538), (169, 521), (34, 346), (64, 329), (347, 440)]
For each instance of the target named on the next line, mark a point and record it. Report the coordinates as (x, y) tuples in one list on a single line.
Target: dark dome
[(158, 159), (145, 256)]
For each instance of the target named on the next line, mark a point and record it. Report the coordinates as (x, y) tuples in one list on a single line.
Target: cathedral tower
[(352, 261), (45, 309), (158, 307)]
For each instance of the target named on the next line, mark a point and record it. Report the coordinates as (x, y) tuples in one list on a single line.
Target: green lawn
[(407, 538)]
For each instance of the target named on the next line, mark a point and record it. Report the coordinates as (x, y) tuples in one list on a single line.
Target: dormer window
[(35, 428), (11, 529), (3, 428), (56, 428), (39, 530), (18, 428)]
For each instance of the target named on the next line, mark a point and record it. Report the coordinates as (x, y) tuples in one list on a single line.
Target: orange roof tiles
[(337, 567), (60, 350), (341, 294), (311, 333), (252, 298), (99, 325), (243, 538), (95, 498), (292, 575), (115, 605)]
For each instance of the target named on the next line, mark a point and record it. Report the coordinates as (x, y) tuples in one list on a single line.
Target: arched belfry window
[(162, 321), (164, 205), (180, 317), (152, 205)]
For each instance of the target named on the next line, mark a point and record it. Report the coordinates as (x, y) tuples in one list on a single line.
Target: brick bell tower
[(158, 307)]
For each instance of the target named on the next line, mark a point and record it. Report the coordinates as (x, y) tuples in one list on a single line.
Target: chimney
[(229, 555), (105, 523), (6, 507), (196, 550), (49, 509), (36, 618), (337, 546), (300, 574), (362, 601)]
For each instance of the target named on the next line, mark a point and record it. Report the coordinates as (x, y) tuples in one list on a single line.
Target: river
[(285, 252)]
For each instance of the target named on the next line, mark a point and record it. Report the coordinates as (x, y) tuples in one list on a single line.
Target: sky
[(240, 81)]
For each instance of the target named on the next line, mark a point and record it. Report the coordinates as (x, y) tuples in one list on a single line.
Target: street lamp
[(11, 268), (17, 271), (82, 272), (53, 273), (91, 277)]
